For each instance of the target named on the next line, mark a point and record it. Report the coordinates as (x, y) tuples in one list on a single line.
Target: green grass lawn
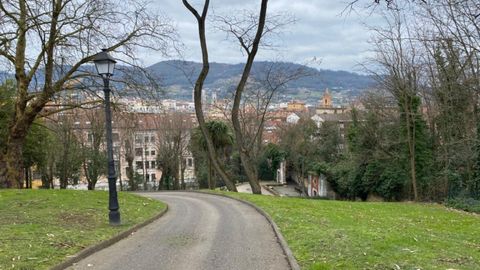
[(355, 235), (41, 228)]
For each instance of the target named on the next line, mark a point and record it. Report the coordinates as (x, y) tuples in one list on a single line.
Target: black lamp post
[(105, 65)]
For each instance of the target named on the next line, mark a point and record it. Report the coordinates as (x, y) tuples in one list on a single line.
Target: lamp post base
[(114, 218)]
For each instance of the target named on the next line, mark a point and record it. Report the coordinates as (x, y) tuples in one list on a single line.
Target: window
[(147, 152), (152, 152), (147, 164), (146, 139), (152, 139), (138, 152), (139, 165), (138, 139), (154, 177), (153, 164), (189, 162), (147, 178)]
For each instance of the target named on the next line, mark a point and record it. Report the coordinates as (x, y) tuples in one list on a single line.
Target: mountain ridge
[(182, 74)]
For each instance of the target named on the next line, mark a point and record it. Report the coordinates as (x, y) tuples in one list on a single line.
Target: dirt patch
[(76, 219), (457, 261), (9, 219)]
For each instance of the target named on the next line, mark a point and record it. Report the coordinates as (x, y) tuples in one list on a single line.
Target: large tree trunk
[(14, 162)]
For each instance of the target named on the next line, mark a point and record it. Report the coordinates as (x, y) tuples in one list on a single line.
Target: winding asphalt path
[(199, 231)]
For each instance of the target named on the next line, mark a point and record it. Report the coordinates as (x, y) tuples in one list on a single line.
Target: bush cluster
[(464, 203)]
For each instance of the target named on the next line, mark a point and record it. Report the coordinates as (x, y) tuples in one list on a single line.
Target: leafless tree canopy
[(241, 26), (46, 43)]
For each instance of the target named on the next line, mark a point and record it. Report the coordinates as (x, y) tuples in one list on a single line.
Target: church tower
[(326, 100)]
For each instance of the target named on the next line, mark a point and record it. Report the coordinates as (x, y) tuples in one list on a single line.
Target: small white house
[(293, 118), (317, 119)]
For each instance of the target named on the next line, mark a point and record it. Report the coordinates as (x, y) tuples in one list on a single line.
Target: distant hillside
[(178, 73)]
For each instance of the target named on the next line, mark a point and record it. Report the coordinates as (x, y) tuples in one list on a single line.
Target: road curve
[(199, 231)]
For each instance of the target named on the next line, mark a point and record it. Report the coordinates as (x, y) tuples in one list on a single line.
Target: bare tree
[(128, 125), (91, 140), (173, 133), (268, 80), (201, 18), (397, 55), (248, 31), (48, 41)]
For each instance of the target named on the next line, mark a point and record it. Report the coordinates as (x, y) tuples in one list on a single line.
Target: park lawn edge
[(50, 213), (106, 243), (455, 250)]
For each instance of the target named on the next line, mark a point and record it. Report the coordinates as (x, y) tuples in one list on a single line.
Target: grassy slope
[(353, 235), (40, 228)]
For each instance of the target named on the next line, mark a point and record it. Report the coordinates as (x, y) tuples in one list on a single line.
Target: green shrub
[(464, 203)]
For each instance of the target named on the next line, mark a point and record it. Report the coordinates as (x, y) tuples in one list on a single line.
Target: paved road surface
[(199, 231)]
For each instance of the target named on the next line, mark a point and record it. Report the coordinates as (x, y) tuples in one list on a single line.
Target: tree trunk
[(120, 172), (14, 162), (410, 125), (90, 185), (182, 174), (50, 177), (176, 180), (63, 183), (30, 178), (160, 182), (143, 169), (130, 173), (3, 172), (210, 183), (26, 178), (250, 172)]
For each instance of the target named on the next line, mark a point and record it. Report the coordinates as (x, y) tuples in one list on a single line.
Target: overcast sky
[(321, 31)]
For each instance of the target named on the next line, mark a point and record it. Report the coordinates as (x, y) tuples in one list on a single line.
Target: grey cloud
[(320, 31)]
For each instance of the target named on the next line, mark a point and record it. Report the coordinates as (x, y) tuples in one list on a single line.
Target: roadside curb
[(286, 250), (104, 244)]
